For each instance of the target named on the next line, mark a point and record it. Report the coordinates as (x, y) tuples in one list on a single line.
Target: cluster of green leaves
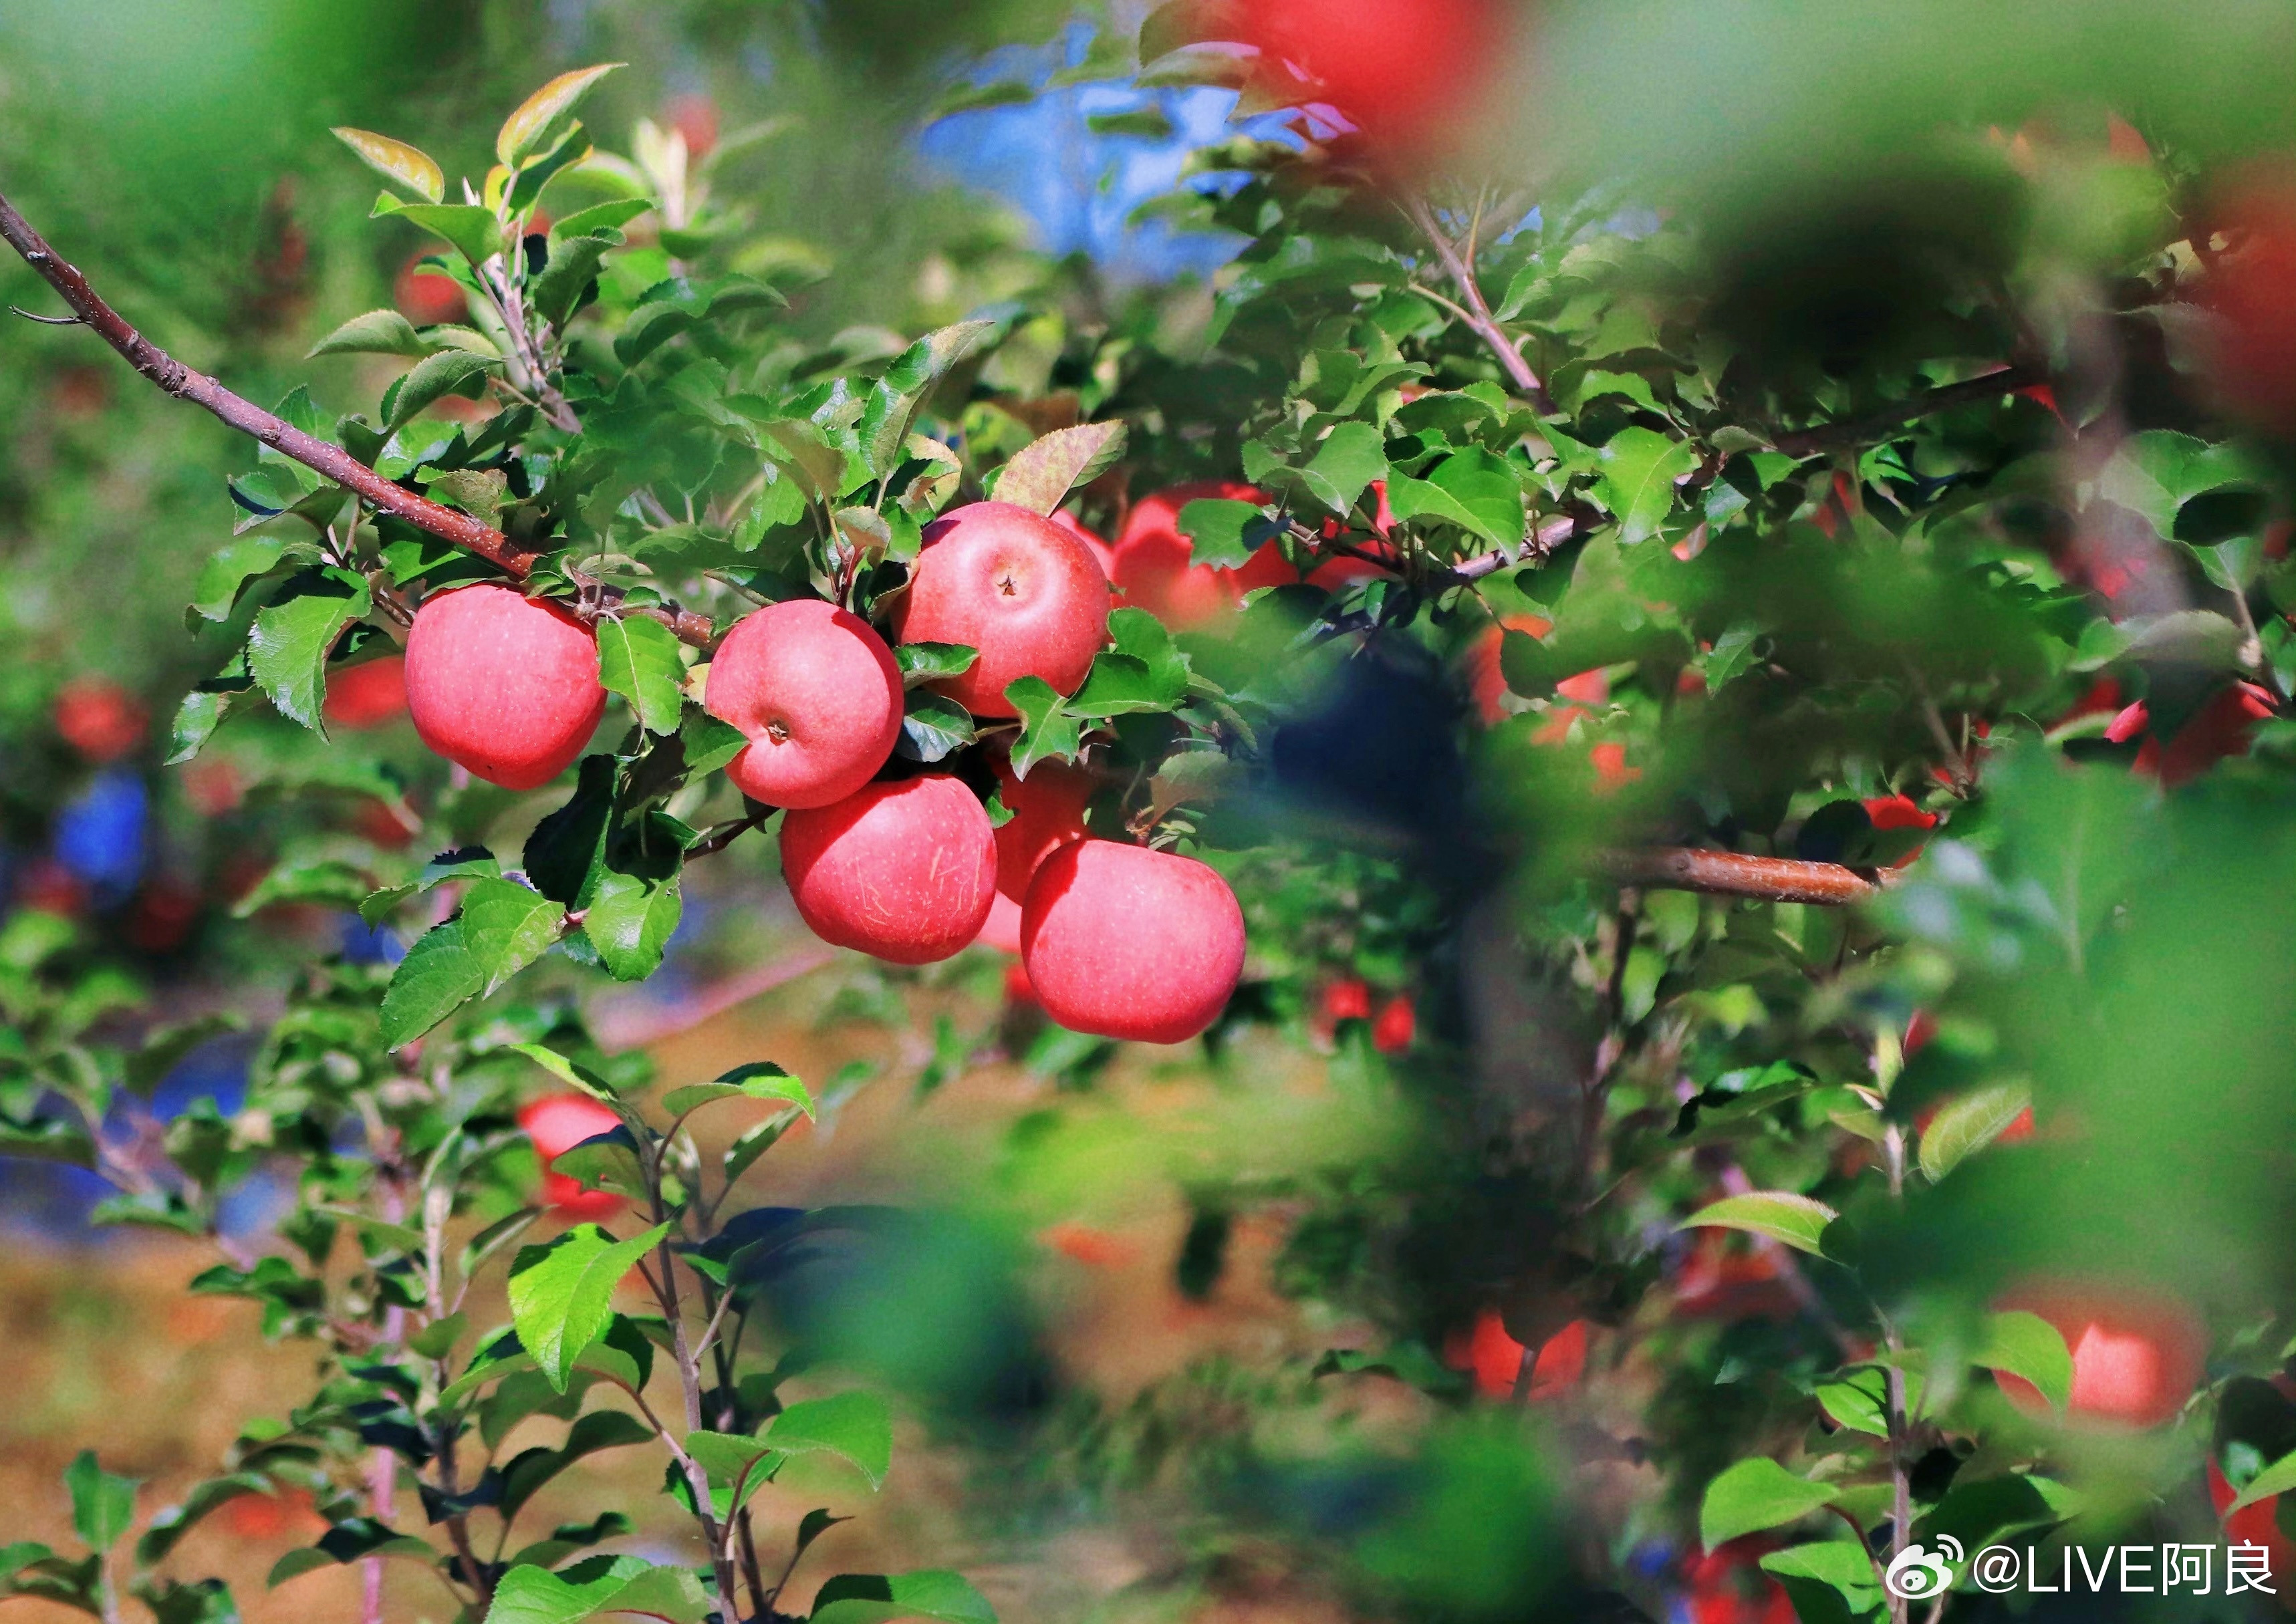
[(410, 1196)]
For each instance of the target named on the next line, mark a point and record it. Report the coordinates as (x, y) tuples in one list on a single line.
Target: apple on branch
[(1025, 592), (504, 684), (905, 872), (818, 696)]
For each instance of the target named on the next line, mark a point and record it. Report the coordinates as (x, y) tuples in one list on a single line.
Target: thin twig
[(1478, 311), (172, 377)]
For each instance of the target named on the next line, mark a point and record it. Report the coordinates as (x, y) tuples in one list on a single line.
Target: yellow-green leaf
[(524, 129), (397, 162)]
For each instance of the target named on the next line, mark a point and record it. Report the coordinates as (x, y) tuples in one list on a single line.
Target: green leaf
[(629, 1585), (1217, 531), (633, 912), (1755, 1495), (1144, 672), (638, 659), (2155, 473), (434, 379), (288, 645), (532, 1468), (327, 880), (506, 927), (1040, 478), (473, 232), (229, 569), (2026, 1345), (437, 1339), (761, 1080), (176, 1521), (1861, 1402), (1410, 499), (482, 492), (2278, 1478), (925, 662), (1839, 1564), (710, 743), (854, 1426), (562, 1295), (1965, 1125), (574, 265), (1046, 730), (197, 718), (104, 1505), (1351, 456), (1796, 1221), (436, 977), (730, 1461), (1732, 656), (933, 727), (523, 132), (47, 1139), (567, 850), (879, 1598), (611, 216), (397, 162), (897, 397), (1639, 469), (378, 333)]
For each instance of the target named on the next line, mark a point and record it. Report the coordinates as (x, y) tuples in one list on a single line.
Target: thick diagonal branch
[(185, 384)]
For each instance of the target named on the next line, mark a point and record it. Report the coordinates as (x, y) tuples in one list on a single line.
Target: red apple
[(1405, 71), (1494, 1359), (903, 870), (1396, 1026), (367, 695), (1347, 1000), (1103, 553), (427, 297), (2251, 290), (2136, 1355), (99, 718), (213, 786), (816, 693), (1121, 941), (1047, 808), (502, 683), (1025, 592), (1153, 570), (557, 1123), (1728, 1586)]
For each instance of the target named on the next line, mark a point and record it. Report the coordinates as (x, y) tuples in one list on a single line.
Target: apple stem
[(173, 378)]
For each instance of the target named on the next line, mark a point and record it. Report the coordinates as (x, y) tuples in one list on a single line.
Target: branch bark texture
[(174, 378)]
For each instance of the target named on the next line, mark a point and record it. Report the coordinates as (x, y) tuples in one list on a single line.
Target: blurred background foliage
[(1854, 202)]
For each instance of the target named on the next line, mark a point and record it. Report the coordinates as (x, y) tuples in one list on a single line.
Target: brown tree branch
[(1477, 310), (172, 377), (1729, 874)]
